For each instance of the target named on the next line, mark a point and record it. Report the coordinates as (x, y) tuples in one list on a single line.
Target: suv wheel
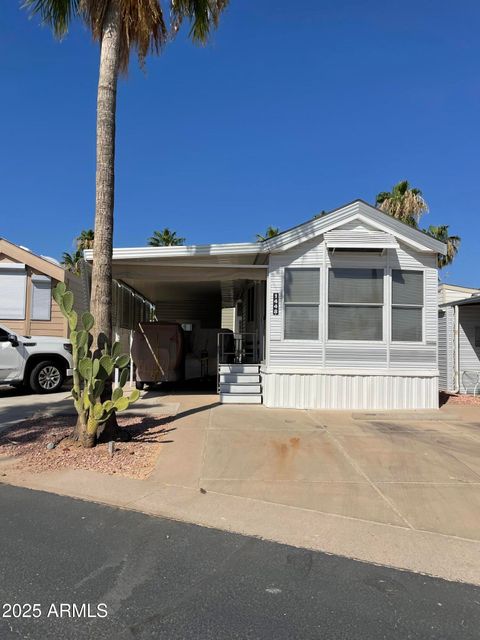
[(47, 377)]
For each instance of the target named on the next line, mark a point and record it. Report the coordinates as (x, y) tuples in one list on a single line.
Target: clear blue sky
[(293, 108)]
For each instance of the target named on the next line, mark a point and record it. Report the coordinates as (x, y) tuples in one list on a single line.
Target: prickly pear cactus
[(90, 373)]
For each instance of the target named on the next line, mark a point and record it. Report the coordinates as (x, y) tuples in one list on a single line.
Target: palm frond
[(142, 23), (71, 261), (165, 238), (55, 13), (403, 202), (271, 232), (143, 27), (86, 239), (203, 15), (452, 242), (381, 197)]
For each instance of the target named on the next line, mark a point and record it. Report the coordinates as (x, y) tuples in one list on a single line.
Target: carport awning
[(191, 272), (163, 273), (360, 240)]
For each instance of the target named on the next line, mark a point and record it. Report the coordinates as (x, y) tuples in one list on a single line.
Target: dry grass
[(27, 443)]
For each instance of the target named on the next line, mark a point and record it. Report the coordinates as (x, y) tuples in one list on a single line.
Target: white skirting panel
[(338, 391)]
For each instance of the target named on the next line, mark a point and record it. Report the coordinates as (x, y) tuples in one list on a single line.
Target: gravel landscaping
[(446, 398), (29, 444)]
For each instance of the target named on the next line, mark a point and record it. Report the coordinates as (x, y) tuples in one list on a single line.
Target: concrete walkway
[(400, 488)]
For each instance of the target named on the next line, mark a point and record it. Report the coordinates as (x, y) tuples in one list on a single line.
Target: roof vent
[(51, 260)]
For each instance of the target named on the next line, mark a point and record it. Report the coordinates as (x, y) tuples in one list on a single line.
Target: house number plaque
[(275, 304)]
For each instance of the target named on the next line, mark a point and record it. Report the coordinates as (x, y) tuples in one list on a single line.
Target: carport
[(205, 289), (459, 346)]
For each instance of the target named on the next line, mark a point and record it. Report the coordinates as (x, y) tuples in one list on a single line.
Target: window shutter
[(41, 298), (13, 282)]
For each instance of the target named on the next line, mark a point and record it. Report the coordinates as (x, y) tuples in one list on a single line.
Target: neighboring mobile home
[(26, 302), (26, 282), (452, 292), (459, 346), (339, 312)]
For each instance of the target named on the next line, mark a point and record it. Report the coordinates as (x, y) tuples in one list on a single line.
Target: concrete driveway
[(419, 470), (20, 404), (399, 488)]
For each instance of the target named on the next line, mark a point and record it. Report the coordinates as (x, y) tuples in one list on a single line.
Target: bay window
[(407, 306), (355, 304), (301, 304)]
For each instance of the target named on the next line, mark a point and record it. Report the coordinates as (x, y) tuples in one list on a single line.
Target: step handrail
[(236, 348)]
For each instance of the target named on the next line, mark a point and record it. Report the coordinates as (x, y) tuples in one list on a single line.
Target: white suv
[(39, 362)]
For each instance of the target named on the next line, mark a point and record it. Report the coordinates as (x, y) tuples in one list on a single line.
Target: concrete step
[(240, 388), (241, 398), (239, 378), (239, 368)]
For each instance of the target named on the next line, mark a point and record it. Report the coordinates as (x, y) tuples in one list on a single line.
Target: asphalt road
[(164, 579)]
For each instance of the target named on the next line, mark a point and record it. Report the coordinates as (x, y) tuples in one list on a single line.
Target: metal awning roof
[(343, 239), (473, 300)]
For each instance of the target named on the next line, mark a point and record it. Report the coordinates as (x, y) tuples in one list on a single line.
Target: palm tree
[(403, 202), (271, 232), (165, 238), (452, 242), (85, 239), (120, 27), (71, 261)]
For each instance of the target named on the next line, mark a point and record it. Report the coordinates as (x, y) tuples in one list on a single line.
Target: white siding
[(340, 391), (322, 353), (451, 293), (228, 318), (371, 355), (469, 353), (339, 374), (446, 350), (288, 352)]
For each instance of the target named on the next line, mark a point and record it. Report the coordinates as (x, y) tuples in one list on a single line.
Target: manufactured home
[(26, 283), (452, 292), (459, 346), (27, 306), (340, 312)]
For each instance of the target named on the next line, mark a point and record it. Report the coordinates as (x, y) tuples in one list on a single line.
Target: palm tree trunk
[(101, 295)]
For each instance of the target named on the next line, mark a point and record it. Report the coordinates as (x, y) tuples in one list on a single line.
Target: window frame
[(408, 306), (16, 270), (39, 279), (302, 304), (383, 305)]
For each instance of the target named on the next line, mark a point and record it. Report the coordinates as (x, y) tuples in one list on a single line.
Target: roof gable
[(34, 261), (355, 211)]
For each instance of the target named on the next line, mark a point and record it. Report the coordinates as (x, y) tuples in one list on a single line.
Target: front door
[(10, 359)]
